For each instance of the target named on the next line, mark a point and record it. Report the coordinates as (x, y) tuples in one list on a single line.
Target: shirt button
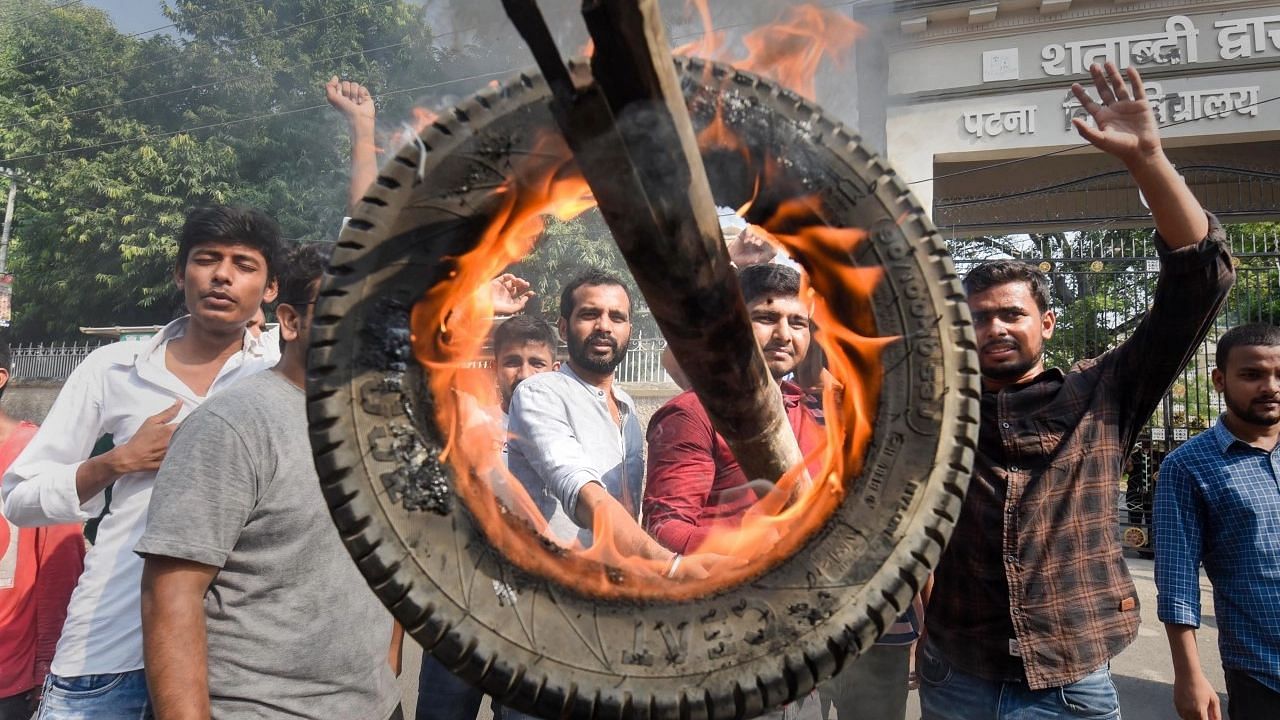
[(1017, 612), (1014, 468), (1011, 559), (1004, 425)]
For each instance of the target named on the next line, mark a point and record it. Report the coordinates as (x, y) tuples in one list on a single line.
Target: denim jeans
[(443, 695), (119, 696), (949, 694)]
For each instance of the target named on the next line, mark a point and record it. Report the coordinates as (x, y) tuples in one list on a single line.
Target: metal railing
[(53, 361)]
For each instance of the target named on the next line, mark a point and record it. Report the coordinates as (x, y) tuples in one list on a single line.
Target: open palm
[(1125, 124)]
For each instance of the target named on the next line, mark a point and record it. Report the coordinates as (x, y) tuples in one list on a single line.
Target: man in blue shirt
[(1218, 502)]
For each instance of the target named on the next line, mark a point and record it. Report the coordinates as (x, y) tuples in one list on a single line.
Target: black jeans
[(1248, 699), (15, 708)]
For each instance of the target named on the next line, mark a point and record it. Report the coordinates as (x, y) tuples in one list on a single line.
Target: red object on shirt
[(39, 568), (694, 483)]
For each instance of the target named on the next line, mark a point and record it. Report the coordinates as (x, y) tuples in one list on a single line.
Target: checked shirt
[(1218, 501), (1033, 585)]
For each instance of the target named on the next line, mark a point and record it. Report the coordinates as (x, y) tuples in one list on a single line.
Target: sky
[(133, 16)]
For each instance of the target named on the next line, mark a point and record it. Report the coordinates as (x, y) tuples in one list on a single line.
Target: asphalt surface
[(1143, 672)]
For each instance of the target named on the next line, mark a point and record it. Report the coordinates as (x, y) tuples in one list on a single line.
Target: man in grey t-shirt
[(251, 606)]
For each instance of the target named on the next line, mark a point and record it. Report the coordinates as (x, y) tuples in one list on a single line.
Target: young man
[(1032, 596), (523, 346), (251, 606), (135, 391), (576, 443), (1218, 502), (38, 570), (695, 485)]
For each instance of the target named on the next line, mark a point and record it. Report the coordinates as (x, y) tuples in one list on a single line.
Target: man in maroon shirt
[(694, 483), (38, 570)]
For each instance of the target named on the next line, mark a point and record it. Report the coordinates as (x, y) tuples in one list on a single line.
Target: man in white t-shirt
[(136, 391)]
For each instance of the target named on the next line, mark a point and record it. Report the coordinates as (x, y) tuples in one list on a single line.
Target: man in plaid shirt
[(1217, 502), (1032, 596)]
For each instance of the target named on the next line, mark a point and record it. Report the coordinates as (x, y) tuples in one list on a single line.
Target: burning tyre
[(564, 633)]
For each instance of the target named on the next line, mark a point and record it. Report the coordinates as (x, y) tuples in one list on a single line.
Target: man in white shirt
[(135, 391), (575, 438)]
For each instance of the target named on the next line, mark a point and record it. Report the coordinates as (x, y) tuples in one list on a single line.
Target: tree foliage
[(116, 137)]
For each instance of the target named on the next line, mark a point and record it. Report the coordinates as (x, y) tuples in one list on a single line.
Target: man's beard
[(580, 355), (1245, 412), (1014, 370)]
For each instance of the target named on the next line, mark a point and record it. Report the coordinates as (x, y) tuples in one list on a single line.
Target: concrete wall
[(30, 399)]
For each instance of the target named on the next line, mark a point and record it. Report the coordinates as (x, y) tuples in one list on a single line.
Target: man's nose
[(222, 271)]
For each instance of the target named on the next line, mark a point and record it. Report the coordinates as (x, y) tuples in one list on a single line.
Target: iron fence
[(53, 361), (1102, 282)]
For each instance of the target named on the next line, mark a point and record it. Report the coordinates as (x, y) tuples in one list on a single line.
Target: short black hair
[(1251, 335), (303, 265), (225, 224), (757, 281), (523, 329), (593, 278), (1001, 272)]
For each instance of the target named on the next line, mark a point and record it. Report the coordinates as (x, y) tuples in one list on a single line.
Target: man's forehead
[(607, 297), (1254, 356), (525, 348), (226, 248), (1008, 296), (785, 304)]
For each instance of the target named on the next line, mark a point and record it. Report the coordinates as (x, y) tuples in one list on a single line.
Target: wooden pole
[(631, 135)]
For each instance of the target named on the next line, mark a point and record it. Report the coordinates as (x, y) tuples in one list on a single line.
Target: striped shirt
[(1218, 502)]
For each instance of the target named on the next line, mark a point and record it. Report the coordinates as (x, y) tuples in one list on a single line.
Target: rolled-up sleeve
[(541, 431), (1193, 285), (1179, 525), (40, 486)]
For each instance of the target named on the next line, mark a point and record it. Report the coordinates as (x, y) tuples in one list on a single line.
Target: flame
[(788, 51), (452, 322)]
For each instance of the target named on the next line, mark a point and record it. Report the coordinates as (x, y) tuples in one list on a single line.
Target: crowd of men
[(218, 587)]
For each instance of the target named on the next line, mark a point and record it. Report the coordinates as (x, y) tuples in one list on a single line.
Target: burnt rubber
[(559, 653)]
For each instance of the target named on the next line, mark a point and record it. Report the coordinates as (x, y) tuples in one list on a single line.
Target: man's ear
[(1219, 380), (555, 366), (1048, 321), (271, 291), (563, 326), (290, 322), (180, 276), (4, 378)]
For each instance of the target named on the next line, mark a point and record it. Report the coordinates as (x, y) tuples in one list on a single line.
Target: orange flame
[(451, 323), (789, 51)]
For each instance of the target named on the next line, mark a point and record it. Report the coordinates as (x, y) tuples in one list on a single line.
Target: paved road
[(1143, 672)]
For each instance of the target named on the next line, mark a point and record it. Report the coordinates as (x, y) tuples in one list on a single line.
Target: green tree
[(117, 137)]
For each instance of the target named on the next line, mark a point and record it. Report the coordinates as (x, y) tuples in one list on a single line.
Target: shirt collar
[(253, 347), (1223, 437), (621, 397)]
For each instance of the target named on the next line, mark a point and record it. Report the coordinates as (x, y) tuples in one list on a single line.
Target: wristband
[(675, 563)]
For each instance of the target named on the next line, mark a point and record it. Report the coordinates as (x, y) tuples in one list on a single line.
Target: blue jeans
[(443, 695), (948, 694), (120, 696)]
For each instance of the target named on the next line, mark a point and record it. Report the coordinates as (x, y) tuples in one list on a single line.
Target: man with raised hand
[(251, 605), (136, 391), (1218, 503), (1032, 597)]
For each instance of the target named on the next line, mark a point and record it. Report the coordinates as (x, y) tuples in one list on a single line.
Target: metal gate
[(1101, 284)]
